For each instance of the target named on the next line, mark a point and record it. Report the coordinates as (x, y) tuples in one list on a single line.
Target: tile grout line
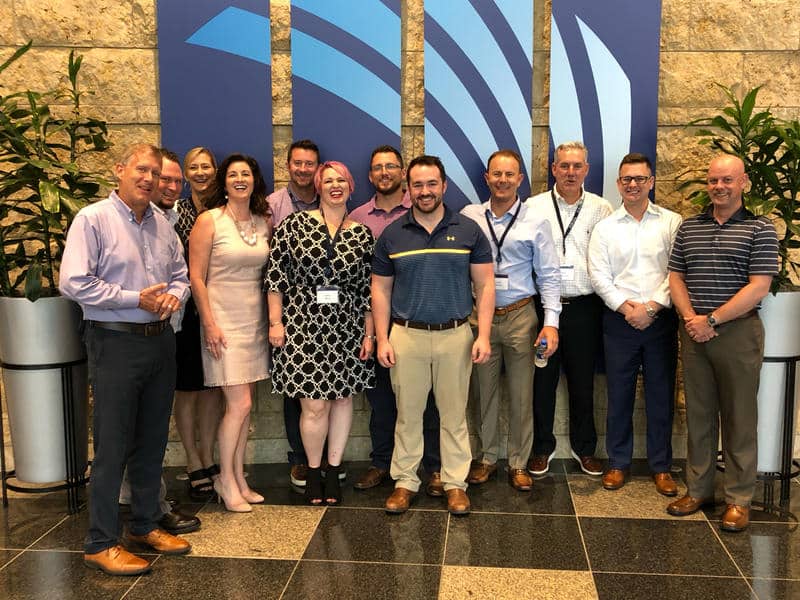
[(733, 560), (138, 579), (444, 554), (46, 533), (300, 558)]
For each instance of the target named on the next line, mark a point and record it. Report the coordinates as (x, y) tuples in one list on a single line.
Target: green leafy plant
[(43, 181), (770, 149)]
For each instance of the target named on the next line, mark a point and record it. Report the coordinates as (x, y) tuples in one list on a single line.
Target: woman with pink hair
[(320, 322)]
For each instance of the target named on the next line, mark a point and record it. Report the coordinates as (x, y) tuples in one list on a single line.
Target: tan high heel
[(244, 507), (253, 497)]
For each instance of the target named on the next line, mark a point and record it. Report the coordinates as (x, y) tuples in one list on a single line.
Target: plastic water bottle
[(540, 360)]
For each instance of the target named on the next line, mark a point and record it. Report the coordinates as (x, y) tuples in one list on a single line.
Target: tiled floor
[(568, 538)]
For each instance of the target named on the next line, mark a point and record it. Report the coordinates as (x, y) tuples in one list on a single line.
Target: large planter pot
[(43, 358), (781, 317)]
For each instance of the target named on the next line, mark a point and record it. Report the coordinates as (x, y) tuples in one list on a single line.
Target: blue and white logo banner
[(346, 80), (214, 77), (478, 82), (604, 64)]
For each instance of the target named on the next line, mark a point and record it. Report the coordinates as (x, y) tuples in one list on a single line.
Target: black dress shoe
[(177, 522)]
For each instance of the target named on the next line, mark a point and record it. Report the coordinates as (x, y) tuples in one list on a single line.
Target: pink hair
[(340, 168)]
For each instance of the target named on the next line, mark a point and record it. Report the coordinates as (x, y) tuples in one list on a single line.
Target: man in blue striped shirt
[(721, 266)]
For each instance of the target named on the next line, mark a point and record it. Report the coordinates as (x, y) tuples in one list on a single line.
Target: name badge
[(327, 294), (567, 272), (501, 282)]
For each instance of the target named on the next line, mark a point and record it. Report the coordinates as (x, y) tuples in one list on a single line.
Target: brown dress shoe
[(298, 474), (520, 480), (161, 541), (435, 488), (589, 464), (665, 484), (613, 479), (457, 502), (539, 464), (116, 561), (736, 518), (688, 505), (372, 478), (479, 472), (399, 501)]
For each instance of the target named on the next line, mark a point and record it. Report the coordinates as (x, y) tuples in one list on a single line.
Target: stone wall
[(741, 42)]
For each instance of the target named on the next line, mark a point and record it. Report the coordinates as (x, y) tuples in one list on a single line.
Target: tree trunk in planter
[(43, 358), (781, 317)]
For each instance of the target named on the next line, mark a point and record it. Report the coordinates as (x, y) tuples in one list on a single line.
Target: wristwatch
[(651, 312), (711, 320)]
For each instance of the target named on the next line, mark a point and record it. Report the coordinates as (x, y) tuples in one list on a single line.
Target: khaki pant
[(512, 340), (440, 360)]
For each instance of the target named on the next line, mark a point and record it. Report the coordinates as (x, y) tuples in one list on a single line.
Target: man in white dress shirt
[(628, 256)]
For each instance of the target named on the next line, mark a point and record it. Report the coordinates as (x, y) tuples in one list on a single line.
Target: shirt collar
[(449, 218), (507, 215), (405, 204), (561, 200), (652, 209), (740, 215), (127, 211)]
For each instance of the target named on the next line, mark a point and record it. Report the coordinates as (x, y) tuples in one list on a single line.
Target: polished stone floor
[(568, 538)]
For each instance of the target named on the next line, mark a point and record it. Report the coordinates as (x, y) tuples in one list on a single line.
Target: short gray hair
[(574, 145)]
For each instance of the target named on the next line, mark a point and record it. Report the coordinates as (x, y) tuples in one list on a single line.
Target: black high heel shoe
[(333, 490), (200, 486), (313, 493)]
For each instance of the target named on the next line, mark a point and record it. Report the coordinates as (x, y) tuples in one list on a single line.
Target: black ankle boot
[(333, 491), (313, 491)]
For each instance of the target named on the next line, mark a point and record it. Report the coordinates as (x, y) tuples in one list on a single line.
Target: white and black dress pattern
[(320, 357)]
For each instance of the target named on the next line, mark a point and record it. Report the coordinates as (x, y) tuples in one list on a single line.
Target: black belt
[(451, 324), (145, 329), (572, 299)]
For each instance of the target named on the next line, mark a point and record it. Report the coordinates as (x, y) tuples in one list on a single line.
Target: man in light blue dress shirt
[(123, 264), (522, 246)]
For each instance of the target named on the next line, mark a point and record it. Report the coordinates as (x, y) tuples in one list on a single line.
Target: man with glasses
[(523, 249), (389, 203), (721, 267), (425, 268), (302, 161), (628, 256), (572, 212)]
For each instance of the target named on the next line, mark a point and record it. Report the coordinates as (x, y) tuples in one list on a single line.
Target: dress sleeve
[(365, 275), (279, 275)]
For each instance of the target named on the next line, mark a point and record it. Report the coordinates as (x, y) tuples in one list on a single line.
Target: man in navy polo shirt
[(425, 268)]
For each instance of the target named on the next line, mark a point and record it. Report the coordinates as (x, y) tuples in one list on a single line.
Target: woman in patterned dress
[(320, 321)]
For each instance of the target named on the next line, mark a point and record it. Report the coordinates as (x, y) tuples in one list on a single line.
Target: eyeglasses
[(388, 166), (639, 179)]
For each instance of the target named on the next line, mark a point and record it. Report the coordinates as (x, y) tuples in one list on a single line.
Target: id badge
[(567, 272), (501, 282), (327, 294)]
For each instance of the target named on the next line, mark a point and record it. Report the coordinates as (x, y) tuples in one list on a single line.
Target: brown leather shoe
[(665, 484), (520, 480), (116, 561), (688, 505), (539, 464), (479, 472), (161, 541), (457, 502), (399, 501), (613, 479), (736, 518), (297, 475), (589, 464), (435, 488), (372, 478)]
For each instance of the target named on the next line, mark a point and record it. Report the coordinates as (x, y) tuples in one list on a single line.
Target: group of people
[(402, 298)]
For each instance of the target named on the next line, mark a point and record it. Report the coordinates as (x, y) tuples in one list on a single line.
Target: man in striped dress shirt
[(721, 266)]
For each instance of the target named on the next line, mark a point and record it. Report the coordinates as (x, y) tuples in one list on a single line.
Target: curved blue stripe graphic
[(238, 32), (482, 70), (614, 99), (456, 174), (348, 45), (522, 28), (565, 113), (358, 18), (329, 69)]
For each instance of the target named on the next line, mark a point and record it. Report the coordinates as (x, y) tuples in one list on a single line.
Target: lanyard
[(499, 243), (564, 234), (330, 243), (299, 205)]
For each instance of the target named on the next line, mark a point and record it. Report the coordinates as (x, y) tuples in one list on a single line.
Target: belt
[(513, 306), (451, 324), (571, 299), (145, 329)]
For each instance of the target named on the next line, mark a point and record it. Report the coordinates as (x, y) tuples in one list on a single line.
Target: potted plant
[(45, 140), (770, 149)]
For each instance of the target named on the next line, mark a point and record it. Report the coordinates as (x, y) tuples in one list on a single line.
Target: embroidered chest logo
[(450, 238)]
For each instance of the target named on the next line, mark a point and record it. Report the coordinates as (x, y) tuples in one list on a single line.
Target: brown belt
[(513, 306), (145, 329), (451, 324)]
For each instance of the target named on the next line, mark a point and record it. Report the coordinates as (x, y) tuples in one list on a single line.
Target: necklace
[(248, 238)]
